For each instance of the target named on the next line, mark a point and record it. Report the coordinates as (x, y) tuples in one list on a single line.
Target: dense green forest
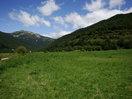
[(113, 33), (32, 41)]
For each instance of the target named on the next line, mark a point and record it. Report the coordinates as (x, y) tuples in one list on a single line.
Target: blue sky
[(55, 18)]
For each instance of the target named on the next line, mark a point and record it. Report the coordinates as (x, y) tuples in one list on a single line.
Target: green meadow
[(68, 75)]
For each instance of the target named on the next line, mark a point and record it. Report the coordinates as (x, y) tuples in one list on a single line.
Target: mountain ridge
[(31, 40), (116, 31)]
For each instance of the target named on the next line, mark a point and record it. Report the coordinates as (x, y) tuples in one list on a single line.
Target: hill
[(31, 40), (113, 33), (7, 42)]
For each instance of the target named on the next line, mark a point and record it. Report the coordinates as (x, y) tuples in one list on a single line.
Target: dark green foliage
[(127, 44), (112, 33), (34, 42), (21, 50), (31, 40), (7, 42)]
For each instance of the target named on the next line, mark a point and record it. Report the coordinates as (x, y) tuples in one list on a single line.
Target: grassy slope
[(74, 75), (9, 55)]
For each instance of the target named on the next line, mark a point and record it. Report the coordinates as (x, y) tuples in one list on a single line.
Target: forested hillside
[(32, 41), (113, 33), (7, 42)]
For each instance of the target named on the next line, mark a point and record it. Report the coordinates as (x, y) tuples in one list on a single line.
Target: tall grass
[(68, 75)]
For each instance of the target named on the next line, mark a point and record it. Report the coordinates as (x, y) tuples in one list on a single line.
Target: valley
[(93, 62)]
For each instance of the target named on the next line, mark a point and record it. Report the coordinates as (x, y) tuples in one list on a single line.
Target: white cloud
[(94, 5), (60, 20), (99, 15), (116, 3), (96, 11), (80, 21), (57, 34), (27, 19), (75, 19), (48, 7)]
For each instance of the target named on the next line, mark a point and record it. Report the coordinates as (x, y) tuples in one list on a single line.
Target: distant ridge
[(32, 41), (113, 33)]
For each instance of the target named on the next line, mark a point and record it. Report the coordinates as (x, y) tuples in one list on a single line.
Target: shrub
[(21, 50)]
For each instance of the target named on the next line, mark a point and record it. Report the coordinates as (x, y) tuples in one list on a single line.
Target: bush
[(21, 50)]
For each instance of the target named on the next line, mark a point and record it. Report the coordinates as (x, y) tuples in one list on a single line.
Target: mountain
[(32, 41), (113, 33), (7, 42)]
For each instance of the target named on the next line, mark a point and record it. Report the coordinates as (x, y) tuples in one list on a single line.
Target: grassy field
[(9, 55), (68, 75)]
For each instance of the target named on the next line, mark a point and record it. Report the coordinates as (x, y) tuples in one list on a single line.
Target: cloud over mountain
[(67, 16), (96, 11)]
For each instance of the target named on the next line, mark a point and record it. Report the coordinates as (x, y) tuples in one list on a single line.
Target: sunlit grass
[(68, 75)]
